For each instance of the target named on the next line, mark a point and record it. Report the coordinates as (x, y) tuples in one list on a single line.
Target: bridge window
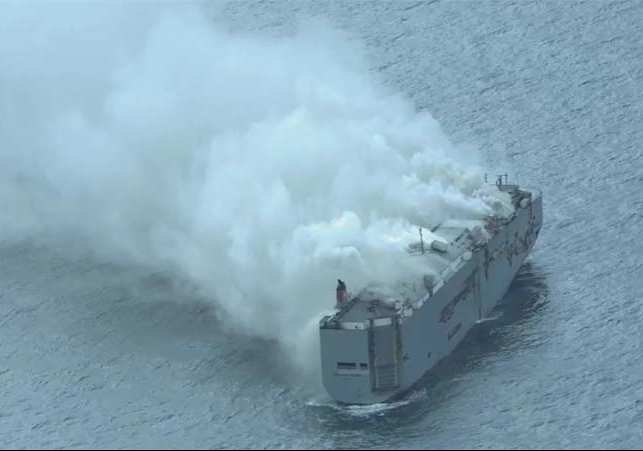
[(346, 366)]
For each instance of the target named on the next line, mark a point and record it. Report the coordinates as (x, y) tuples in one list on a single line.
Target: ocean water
[(97, 353)]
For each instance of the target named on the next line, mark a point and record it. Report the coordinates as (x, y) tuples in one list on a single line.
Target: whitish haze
[(261, 168)]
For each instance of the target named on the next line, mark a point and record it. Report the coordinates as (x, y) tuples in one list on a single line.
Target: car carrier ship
[(374, 348)]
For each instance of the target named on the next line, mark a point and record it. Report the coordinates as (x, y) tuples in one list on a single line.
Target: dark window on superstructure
[(346, 366), (447, 312), (363, 366), (454, 331)]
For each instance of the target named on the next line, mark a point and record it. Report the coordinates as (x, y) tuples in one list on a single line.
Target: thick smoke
[(261, 168)]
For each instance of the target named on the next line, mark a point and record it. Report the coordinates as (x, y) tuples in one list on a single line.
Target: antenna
[(421, 240)]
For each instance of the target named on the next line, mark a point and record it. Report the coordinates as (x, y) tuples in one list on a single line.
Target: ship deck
[(374, 302)]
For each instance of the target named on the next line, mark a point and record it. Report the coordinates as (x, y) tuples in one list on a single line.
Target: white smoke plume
[(261, 168)]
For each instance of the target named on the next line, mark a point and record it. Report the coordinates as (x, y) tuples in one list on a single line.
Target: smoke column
[(260, 168)]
